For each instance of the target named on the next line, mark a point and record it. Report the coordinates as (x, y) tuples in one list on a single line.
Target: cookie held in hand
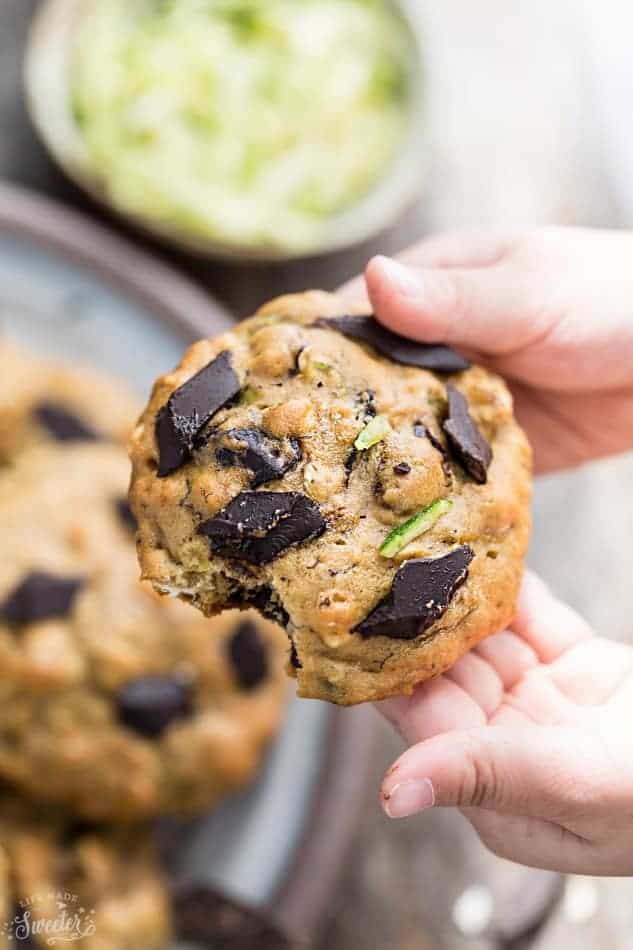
[(369, 493)]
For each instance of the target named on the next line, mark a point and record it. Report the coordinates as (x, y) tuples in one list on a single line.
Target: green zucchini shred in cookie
[(414, 527), (374, 432)]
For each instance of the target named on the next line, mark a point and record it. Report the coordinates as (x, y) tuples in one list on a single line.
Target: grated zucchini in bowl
[(244, 121)]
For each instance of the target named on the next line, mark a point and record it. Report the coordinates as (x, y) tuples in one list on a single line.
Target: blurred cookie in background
[(62, 882), (42, 401), (114, 701)]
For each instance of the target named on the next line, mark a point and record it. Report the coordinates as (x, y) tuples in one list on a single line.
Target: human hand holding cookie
[(549, 310), (527, 733)]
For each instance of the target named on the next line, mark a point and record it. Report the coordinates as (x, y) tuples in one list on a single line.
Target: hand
[(551, 311), (530, 735)]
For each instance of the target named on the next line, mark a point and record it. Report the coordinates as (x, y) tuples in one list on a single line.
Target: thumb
[(488, 309), (538, 771)]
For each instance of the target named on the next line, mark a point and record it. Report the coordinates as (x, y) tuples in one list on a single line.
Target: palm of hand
[(529, 735)]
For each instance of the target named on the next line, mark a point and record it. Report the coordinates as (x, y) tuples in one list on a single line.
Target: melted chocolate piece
[(421, 592), (63, 425), (258, 526), (402, 468), (266, 457), (150, 704), (262, 599), (466, 442), (125, 514), (211, 919), (40, 596), (189, 408), (249, 655), (432, 356)]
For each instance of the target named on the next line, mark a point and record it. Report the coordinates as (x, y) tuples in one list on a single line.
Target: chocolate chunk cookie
[(370, 493), (46, 402), (63, 882), (114, 701)]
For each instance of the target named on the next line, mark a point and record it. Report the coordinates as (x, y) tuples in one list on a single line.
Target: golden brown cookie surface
[(379, 509), (114, 701)]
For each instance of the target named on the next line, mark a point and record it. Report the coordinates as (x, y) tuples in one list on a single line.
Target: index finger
[(454, 249)]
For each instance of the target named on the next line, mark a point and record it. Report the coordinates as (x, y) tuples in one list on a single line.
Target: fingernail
[(402, 278), (409, 798)]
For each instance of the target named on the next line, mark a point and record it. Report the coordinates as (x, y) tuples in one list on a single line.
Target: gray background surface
[(515, 142)]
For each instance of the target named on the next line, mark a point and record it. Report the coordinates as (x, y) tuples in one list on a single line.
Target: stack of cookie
[(116, 705)]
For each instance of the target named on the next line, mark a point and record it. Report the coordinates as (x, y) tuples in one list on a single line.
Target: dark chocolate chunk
[(206, 917), (248, 654), (366, 401), (295, 662), (295, 369), (79, 829), (266, 457), (437, 445), (150, 704), (258, 526), (263, 600), (432, 356), (63, 425), (466, 442), (402, 468), (421, 591), (40, 596), (189, 408), (349, 464), (125, 514), (420, 431)]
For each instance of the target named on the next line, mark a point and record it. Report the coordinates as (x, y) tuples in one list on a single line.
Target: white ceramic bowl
[(47, 80)]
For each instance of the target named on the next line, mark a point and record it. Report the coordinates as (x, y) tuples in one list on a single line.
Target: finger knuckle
[(478, 784)]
